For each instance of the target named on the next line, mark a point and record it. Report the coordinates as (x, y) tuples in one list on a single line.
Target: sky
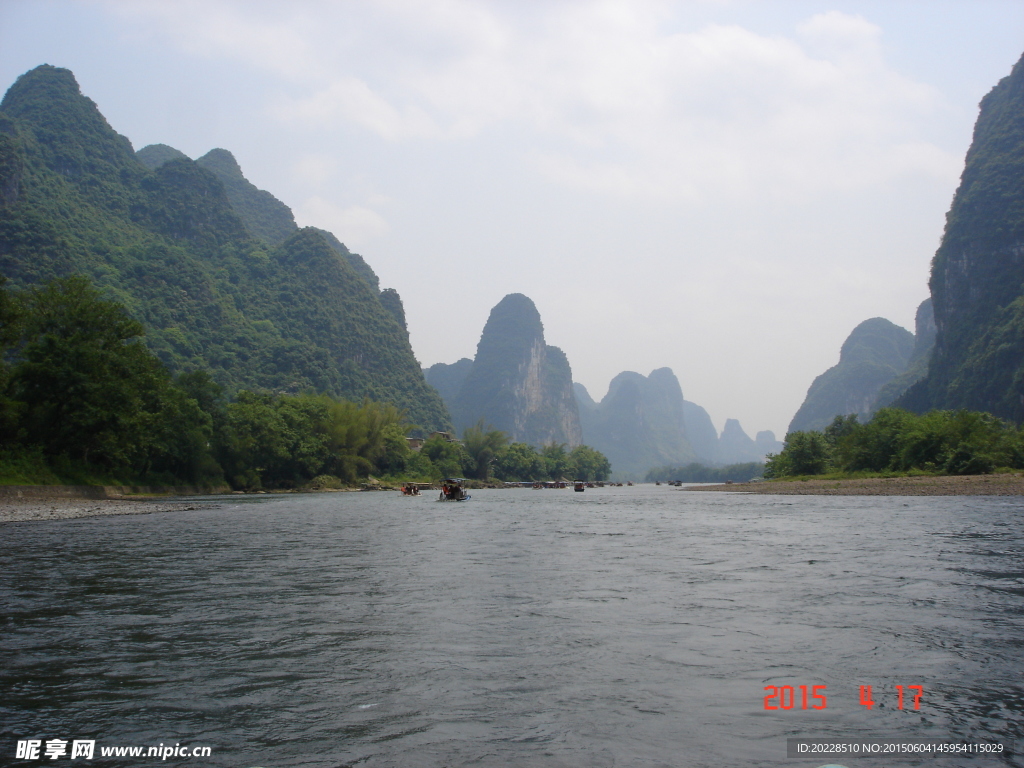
[(723, 187)]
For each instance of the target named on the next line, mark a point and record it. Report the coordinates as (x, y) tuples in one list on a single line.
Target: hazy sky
[(724, 188)]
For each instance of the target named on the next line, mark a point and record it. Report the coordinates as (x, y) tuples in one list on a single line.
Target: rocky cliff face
[(517, 383), (924, 331), (875, 353), (977, 279)]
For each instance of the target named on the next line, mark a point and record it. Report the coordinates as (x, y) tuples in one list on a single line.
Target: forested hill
[(977, 279), (874, 354), (216, 270)]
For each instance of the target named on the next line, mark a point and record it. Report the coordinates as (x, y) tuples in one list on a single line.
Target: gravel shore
[(969, 485), (16, 510)]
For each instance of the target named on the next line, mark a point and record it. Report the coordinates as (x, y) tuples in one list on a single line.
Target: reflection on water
[(624, 626)]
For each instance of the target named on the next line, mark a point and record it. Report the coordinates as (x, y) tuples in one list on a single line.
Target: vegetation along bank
[(84, 401)]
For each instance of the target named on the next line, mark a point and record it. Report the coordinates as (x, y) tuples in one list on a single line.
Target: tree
[(557, 462), (90, 388), (590, 464), (359, 436), (287, 440), (958, 443), (448, 459), (875, 446), (181, 434), (519, 462), (255, 442), (483, 446), (208, 394), (841, 427), (806, 453), (10, 331), (395, 452)]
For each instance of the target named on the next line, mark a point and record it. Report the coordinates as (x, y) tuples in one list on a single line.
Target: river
[(617, 627)]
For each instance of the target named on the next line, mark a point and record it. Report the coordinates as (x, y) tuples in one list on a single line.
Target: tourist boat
[(453, 490), (411, 489), (578, 486)]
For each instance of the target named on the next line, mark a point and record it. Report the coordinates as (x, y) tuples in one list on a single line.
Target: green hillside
[(155, 155), (220, 284), (875, 353), (263, 214), (977, 279)]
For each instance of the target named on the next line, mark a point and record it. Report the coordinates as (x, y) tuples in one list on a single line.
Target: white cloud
[(357, 226), (612, 98), (253, 33), (349, 99), (840, 36), (314, 169)]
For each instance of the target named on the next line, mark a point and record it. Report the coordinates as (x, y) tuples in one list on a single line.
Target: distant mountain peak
[(263, 214), (639, 424), (879, 341), (71, 138), (514, 321), (517, 382), (43, 82), (223, 163), (875, 353), (49, 98), (154, 155)]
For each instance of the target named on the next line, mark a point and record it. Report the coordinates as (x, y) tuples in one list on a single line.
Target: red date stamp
[(814, 697), (784, 697)]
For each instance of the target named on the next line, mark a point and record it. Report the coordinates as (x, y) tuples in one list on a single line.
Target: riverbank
[(14, 509), (922, 485)]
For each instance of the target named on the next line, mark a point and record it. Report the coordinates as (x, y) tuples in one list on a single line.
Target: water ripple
[(627, 626)]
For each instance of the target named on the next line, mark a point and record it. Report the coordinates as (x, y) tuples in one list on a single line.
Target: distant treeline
[(485, 453), (83, 400), (699, 473), (939, 442)]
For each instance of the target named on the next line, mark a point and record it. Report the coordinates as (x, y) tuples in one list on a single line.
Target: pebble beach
[(14, 510), (965, 485)]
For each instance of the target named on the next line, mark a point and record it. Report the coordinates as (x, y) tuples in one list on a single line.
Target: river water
[(617, 627)]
